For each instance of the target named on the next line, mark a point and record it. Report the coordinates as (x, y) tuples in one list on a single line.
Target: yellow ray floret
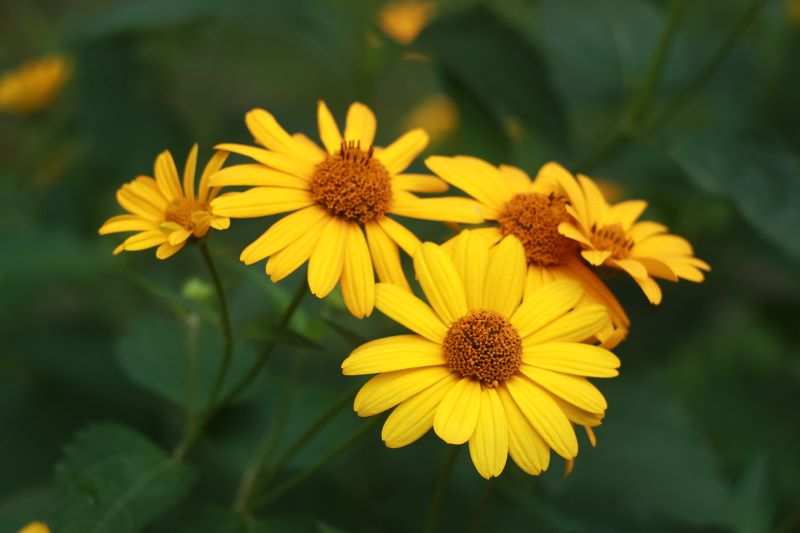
[(165, 212), (339, 197), (491, 365), (34, 85)]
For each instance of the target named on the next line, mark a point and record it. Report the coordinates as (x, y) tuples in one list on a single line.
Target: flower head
[(165, 213), (531, 212), (35, 527), (340, 196), (34, 85), (489, 363), (610, 235), (403, 21)]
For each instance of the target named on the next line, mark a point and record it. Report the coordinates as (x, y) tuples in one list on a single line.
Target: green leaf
[(220, 520), (757, 175), (112, 479), (752, 507)]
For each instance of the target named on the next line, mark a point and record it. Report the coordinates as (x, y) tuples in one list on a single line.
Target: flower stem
[(224, 319), (307, 472), (439, 491)]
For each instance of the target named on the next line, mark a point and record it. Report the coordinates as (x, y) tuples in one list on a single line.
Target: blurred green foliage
[(702, 431)]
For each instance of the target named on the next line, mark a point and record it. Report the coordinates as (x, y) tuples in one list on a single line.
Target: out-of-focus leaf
[(468, 46), (759, 177), (221, 520), (114, 480), (752, 506)]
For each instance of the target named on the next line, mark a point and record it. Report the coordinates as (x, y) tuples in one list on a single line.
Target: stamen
[(180, 210), (612, 239), (533, 218)]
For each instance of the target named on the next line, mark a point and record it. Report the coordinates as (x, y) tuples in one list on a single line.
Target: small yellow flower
[(437, 115), (35, 527), (33, 86), (793, 7), (341, 197), (489, 363), (610, 235), (403, 21), (531, 211), (163, 213)]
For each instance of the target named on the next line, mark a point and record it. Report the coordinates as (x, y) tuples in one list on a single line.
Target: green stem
[(439, 491), (307, 472), (321, 421), (224, 319)]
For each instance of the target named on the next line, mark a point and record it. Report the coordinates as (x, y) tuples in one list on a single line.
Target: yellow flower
[(33, 86), (437, 115), (338, 194), (489, 363), (163, 213), (610, 235), (793, 7), (35, 527), (403, 21), (531, 211)]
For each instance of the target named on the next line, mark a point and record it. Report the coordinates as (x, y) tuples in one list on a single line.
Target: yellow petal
[(641, 230), (282, 233), (179, 236), (579, 325), (312, 149), (360, 125), (385, 256), (256, 175), (505, 277), (527, 448), (399, 234), (408, 310), (384, 391), (167, 250), (414, 417), (122, 223), (189, 171), (269, 133), (595, 257), (477, 178), (328, 130), (327, 258), (470, 255), (457, 415), (300, 167), (136, 204), (393, 353), (283, 263), (213, 165), (572, 358), (662, 245), (633, 267), (577, 415), (488, 446), (596, 205), (650, 289), (545, 416), (624, 213), (568, 230), (358, 277), (144, 240), (575, 389), (595, 289), (450, 209), (260, 202), (440, 282), (167, 176), (544, 305), (419, 183), (220, 223), (398, 156), (556, 174)]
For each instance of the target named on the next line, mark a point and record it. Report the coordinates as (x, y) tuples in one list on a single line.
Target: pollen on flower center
[(485, 346), (180, 210), (612, 239), (533, 218), (352, 184)]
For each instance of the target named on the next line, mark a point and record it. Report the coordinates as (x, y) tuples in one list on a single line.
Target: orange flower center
[(612, 239), (533, 218), (352, 184), (181, 210), (485, 346)]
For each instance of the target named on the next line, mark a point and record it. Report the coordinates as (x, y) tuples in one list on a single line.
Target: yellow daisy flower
[(35, 527), (610, 235), (489, 363), (163, 213), (531, 211), (340, 196), (34, 85), (403, 21)]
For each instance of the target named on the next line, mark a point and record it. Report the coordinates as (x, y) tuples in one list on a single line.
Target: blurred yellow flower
[(610, 235), (531, 211), (793, 7), (403, 21), (33, 86), (35, 527), (337, 194), (163, 213), (437, 115), (489, 363)]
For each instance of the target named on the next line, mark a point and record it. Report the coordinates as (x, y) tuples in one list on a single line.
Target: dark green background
[(702, 430)]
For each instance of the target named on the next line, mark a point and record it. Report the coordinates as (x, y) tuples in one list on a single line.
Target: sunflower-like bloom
[(403, 21), (610, 235), (489, 363), (35, 527), (531, 211), (338, 194), (34, 85), (163, 213)]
